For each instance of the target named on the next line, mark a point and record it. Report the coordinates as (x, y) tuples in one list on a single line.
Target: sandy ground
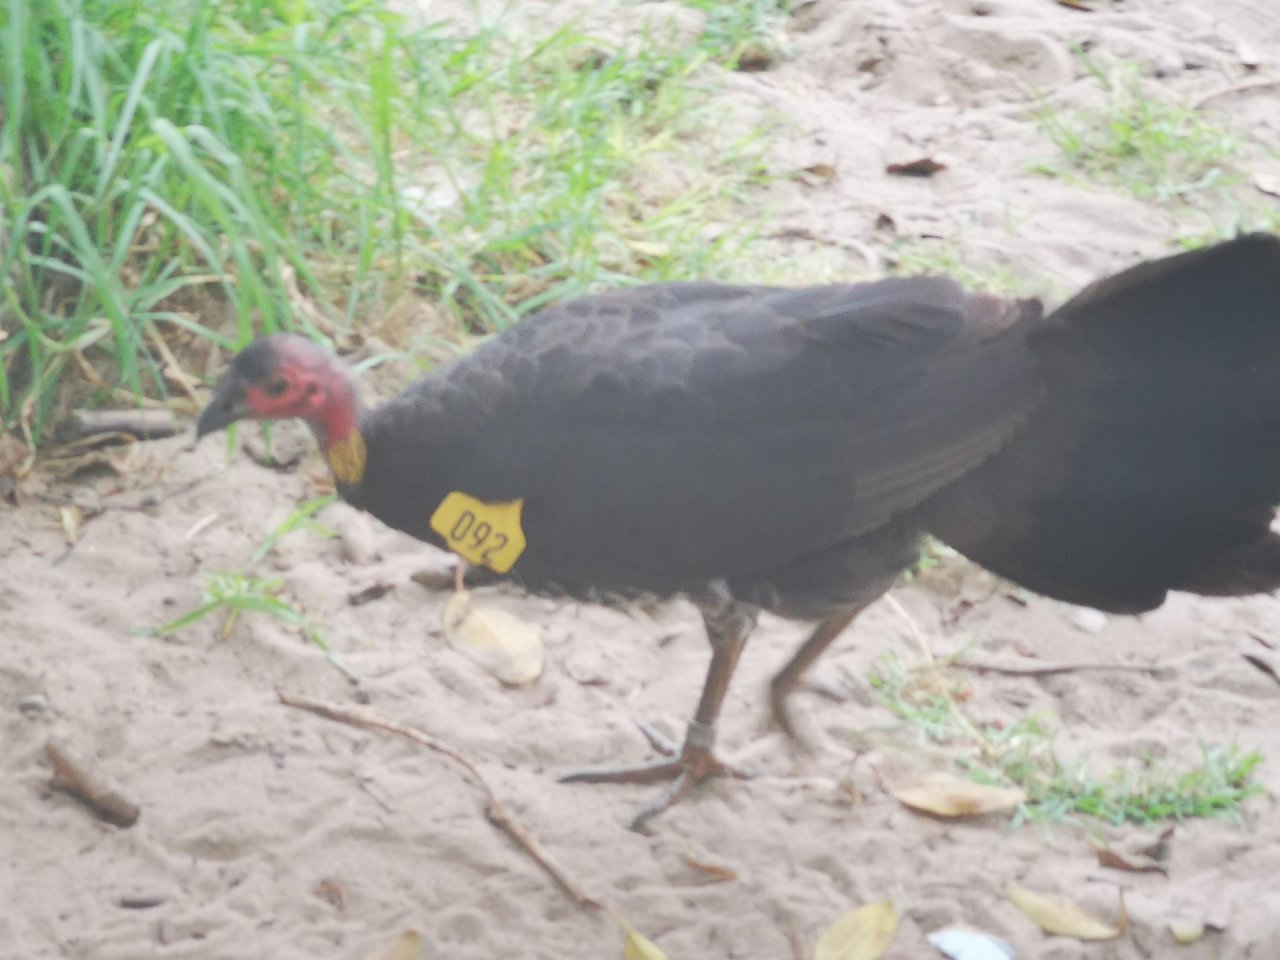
[(268, 832)]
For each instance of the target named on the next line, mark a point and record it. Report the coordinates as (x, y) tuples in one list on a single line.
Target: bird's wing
[(671, 434)]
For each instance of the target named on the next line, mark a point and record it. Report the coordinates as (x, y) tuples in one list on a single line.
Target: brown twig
[(71, 775), (1051, 669), (138, 424), (496, 810)]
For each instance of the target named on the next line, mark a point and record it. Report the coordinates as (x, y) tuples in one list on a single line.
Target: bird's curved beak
[(227, 406)]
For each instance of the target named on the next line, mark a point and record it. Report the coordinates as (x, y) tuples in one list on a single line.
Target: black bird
[(756, 448)]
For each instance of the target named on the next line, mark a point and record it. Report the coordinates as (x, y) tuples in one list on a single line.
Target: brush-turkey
[(755, 448)]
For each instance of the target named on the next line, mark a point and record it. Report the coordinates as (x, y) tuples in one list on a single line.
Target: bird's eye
[(277, 388)]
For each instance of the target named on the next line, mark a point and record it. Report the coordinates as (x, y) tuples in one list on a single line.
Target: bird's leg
[(785, 680), (728, 624)]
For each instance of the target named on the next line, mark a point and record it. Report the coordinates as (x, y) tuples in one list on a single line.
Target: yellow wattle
[(347, 458)]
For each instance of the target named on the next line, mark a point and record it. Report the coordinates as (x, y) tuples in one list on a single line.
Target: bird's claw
[(685, 767)]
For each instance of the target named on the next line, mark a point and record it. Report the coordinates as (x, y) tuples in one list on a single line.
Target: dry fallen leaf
[(407, 946), (503, 644), (71, 519), (640, 947), (863, 934), (1187, 932), (957, 943), (1137, 859), (820, 172), (703, 865), (375, 591), (944, 795), (1129, 862), (15, 457), (1056, 914), (924, 167)]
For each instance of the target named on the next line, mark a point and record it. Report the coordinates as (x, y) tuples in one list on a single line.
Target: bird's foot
[(686, 767)]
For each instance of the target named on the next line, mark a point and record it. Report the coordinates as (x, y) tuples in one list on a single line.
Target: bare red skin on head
[(307, 382)]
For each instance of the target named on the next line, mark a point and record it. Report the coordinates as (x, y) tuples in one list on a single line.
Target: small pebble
[(1089, 620), (34, 705)]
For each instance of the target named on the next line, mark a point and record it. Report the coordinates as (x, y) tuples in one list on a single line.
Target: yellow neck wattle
[(347, 458)]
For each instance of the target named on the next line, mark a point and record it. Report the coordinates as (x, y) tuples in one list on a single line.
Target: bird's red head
[(283, 376)]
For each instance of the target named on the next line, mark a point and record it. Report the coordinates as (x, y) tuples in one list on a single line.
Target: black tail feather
[(1154, 462)]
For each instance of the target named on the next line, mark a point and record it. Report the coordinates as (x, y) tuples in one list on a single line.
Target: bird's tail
[(1154, 462)]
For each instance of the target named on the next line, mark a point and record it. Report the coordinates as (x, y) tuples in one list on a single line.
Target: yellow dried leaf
[(71, 518), (1187, 933), (1131, 862), (863, 934), (946, 796), (640, 947), (637, 946), (503, 644), (407, 946), (703, 865), (1056, 914)]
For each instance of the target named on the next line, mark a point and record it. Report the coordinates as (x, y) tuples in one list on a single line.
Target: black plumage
[(669, 436), (763, 448)]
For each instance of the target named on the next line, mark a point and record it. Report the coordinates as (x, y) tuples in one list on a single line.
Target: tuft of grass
[(1154, 149), (234, 594), (300, 165), (1023, 754), (301, 517), (742, 34)]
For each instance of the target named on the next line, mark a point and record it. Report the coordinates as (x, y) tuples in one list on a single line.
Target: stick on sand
[(72, 775), (496, 811)]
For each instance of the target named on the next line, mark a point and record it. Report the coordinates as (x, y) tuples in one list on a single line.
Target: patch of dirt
[(267, 832)]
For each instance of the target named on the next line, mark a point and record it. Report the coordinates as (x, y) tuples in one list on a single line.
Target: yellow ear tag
[(487, 534)]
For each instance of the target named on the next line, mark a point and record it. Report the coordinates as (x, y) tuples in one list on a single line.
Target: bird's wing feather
[(671, 434)]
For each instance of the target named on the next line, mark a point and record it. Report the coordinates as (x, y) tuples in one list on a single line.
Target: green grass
[(232, 594), (738, 30), (235, 594), (272, 164), (301, 517), (1155, 149), (930, 703)]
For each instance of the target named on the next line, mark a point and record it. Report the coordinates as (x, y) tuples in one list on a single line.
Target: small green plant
[(301, 517), (234, 594), (1023, 754), (1154, 149), (736, 29), (238, 593)]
